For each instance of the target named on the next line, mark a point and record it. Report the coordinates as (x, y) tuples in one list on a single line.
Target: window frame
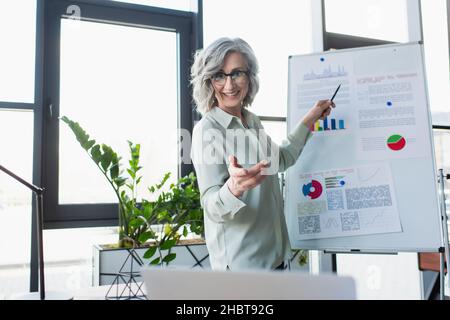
[(183, 23), (37, 133)]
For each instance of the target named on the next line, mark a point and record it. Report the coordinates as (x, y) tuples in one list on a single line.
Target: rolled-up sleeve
[(212, 173), (292, 147)]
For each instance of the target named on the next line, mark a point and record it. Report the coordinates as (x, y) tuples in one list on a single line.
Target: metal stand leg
[(442, 276), (446, 253), (131, 290)]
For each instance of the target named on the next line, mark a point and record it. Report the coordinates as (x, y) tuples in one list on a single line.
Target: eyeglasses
[(238, 77)]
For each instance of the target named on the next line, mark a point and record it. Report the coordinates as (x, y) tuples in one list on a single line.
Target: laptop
[(200, 284)]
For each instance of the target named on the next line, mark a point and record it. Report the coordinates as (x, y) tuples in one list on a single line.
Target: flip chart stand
[(443, 253)]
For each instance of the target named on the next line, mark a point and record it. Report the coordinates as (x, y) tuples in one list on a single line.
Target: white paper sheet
[(381, 108), (347, 202)]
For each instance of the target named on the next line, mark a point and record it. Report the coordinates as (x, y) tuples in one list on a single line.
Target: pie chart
[(396, 142), (312, 189)]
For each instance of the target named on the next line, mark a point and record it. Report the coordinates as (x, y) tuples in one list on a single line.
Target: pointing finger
[(233, 161), (235, 169), (237, 172), (258, 167)]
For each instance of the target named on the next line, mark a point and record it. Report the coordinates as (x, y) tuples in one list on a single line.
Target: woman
[(244, 221)]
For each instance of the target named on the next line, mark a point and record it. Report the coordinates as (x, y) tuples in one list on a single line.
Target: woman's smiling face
[(232, 93)]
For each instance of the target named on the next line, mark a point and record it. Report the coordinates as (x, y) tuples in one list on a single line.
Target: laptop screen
[(195, 284)]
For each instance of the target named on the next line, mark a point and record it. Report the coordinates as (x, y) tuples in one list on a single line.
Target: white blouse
[(247, 232)]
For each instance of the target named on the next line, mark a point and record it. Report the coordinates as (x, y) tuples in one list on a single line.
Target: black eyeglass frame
[(246, 72)]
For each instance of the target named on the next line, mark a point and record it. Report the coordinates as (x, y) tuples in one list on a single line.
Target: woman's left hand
[(320, 110)]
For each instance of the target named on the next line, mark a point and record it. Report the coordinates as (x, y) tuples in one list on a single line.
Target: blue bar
[(341, 124), (333, 124), (325, 124)]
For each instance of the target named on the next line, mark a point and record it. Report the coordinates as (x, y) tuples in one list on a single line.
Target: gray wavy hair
[(210, 60)]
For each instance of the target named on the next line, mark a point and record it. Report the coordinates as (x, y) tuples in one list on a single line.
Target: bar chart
[(328, 124)]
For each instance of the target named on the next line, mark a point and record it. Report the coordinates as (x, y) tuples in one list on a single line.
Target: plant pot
[(108, 260)]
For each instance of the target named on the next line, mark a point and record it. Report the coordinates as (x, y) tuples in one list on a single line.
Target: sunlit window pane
[(442, 152), (119, 83), (17, 53), (68, 256), (16, 130), (435, 34), (184, 5), (441, 144), (274, 31), (276, 130), (376, 19)]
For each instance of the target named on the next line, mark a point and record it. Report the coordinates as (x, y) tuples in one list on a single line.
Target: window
[(435, 22), (17, 56), (375, 19), (388, 21), (15, 201), (17, 103), (259, 24), (121, 71), (121, 88), (436, 47), (276, 130), (68, 256), (28, 109), (184, 5), (441, 143), (291, 19)]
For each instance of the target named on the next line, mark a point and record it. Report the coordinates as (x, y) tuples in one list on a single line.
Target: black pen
[(335, 93)]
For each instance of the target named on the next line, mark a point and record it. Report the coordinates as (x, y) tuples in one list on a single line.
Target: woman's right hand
[(241, 179), (320, 110)]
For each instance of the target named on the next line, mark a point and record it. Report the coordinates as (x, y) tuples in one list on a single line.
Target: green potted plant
[(178, 210)]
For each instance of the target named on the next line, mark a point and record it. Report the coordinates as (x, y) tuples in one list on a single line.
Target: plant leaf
[(135, 223), (96, 153), (131, 173), (145, 236), (80, 134), (166, 245), (119, 181), (150, 253), (106, 158), (89, 144), (169, 257), (166, 176), (114, 170)]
